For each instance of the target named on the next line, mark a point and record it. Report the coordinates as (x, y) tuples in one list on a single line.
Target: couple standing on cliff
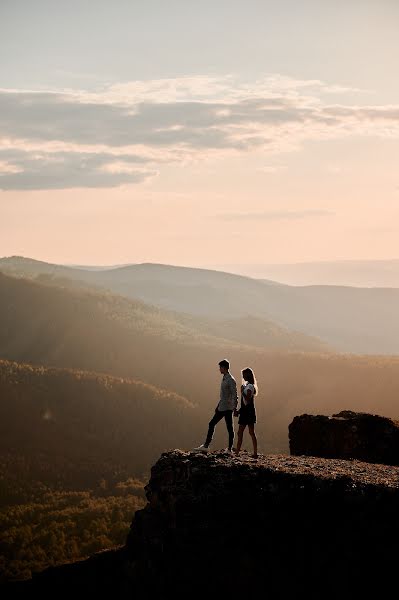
[(227, 407)]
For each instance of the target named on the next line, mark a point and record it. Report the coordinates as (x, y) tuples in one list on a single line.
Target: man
[(227, 404)]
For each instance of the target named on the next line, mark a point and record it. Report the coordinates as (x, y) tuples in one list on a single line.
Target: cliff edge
[(276, 527)]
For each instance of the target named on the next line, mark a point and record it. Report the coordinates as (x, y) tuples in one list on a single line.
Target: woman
[(247, 412)]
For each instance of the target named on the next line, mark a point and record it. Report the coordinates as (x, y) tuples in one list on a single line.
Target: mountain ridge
[(355, 320)]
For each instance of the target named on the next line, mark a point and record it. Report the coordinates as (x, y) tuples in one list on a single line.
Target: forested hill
[(73, 428), (75, 449)]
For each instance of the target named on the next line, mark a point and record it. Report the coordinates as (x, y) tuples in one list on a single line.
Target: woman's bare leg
[(239, 437), (252, 433)]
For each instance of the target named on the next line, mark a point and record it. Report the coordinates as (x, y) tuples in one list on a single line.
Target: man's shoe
[(201, 448)]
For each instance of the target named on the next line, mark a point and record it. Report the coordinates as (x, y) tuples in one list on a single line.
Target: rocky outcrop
[(280, 527), (346, 435)]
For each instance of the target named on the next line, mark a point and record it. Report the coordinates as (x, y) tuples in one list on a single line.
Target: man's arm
[(234, 394)]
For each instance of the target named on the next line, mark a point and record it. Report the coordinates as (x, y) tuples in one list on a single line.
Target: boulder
[(347, 435)]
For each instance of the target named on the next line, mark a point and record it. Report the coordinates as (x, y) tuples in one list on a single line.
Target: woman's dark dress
[(247, 412)]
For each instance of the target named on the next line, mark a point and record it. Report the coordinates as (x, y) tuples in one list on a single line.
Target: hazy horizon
[(363, 273)]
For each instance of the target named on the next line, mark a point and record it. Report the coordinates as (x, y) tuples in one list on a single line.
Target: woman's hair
[(249, 376)]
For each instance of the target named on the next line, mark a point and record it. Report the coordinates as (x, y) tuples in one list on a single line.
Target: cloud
[(275, 215), (46, 117), (90, 135), (7, 167), (41, 170)]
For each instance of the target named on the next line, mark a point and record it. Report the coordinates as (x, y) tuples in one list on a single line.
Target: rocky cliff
[(278, 527)]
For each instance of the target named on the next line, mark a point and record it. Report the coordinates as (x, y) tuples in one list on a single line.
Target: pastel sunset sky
[(199, 133)]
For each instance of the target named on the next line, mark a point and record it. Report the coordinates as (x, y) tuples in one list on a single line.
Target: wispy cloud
[(167, 120), (44, 170), (274, 215)]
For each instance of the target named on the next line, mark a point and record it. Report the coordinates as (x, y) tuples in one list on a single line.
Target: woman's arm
[(249, 396)]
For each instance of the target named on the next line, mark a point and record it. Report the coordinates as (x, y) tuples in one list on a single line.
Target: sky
[(199, 133)]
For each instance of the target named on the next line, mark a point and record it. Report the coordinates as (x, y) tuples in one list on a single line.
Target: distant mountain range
[(347, 319), (353, 273), (358, 273), (59, 311)]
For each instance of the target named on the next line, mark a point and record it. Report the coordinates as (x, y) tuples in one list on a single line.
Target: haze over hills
[(360, 320), (73, 311), (79, 329), (82, 329), (354, 273)]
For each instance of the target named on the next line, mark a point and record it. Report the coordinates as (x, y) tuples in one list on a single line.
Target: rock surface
[(346, 435), (279, 527)]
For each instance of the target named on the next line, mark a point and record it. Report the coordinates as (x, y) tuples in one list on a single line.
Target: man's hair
[(224, 363)]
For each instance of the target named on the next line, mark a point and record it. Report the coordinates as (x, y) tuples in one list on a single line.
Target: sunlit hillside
[(361, 320), (103, 332)]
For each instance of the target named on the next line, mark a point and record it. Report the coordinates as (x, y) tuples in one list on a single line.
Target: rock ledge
[(346, 435)]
